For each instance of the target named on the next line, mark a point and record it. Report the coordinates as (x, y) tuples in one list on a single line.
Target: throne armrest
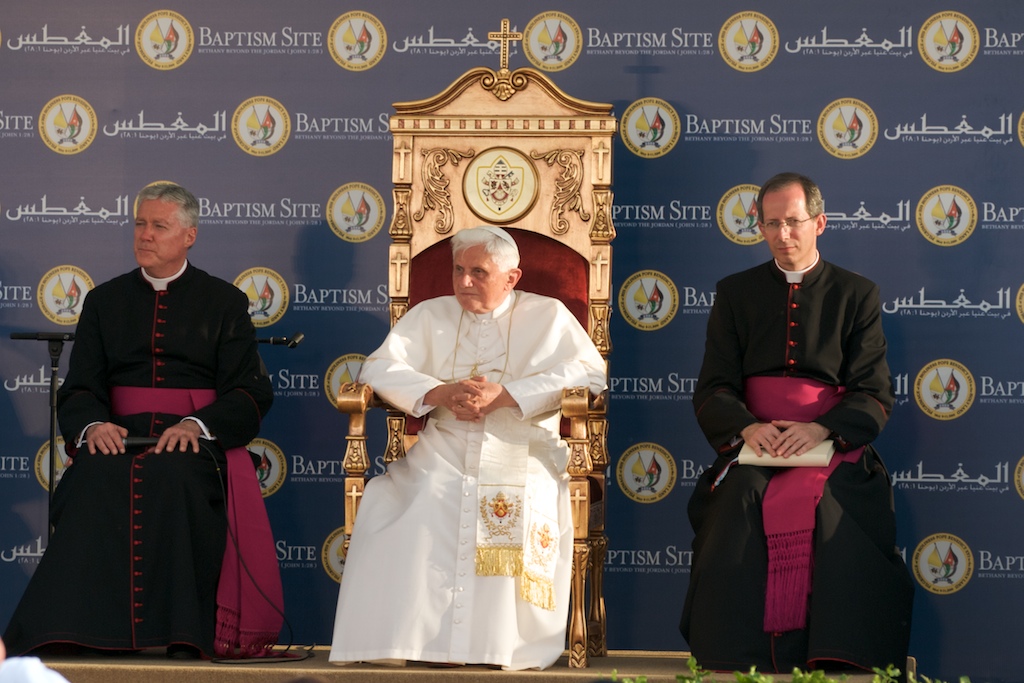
[(355, 399)]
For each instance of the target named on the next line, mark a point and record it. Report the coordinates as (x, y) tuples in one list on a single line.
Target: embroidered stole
[(516, 534)]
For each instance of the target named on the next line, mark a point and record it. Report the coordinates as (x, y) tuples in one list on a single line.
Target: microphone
[(291, 342), (140, 441), (44, 336)]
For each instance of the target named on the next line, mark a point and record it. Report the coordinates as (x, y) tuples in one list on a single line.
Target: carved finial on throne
[(504, 85)]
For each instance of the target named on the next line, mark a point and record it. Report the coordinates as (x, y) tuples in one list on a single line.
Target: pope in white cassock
[(462, 552)]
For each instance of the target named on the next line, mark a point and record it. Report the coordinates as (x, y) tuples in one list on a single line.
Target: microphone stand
[(55, 342)]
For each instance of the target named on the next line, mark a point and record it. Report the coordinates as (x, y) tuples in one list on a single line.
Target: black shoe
[(182, 651)]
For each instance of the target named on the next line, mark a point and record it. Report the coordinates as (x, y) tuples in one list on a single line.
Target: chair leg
[(577, 618), (597, 643)]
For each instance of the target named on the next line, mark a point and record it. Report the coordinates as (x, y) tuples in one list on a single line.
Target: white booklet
[(819, 456)]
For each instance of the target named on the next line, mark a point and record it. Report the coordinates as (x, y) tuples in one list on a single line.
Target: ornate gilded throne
[(509, 149)]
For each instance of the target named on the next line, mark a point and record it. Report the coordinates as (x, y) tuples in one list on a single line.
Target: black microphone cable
[(280, 655)]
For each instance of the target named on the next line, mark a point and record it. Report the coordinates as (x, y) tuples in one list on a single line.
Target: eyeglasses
[(788, 222)]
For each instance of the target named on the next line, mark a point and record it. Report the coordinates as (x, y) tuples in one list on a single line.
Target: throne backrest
[(508, 149)]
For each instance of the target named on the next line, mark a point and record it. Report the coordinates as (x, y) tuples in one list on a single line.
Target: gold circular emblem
[(646, 473), (42, 463), (944, 389), (552, 41), (357, 41), (500, 185), (343, 369), (272, 470), (946, 215), (648, 300), (737, 215), (267, 293), (748, 41), (164, 40), (943, 563), (1020, 303), (61, 293), (332, 555), (847, 128), (948, 41), (67, 124), (261, 126), (650, 127), (355, 212)]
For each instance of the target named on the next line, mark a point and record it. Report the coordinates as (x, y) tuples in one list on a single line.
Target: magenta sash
[(250, 604), (792, 497)]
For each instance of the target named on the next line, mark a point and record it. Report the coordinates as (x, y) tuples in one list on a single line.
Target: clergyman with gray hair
[(139, 556)]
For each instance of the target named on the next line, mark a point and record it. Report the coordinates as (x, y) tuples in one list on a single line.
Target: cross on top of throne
[(504, 36)]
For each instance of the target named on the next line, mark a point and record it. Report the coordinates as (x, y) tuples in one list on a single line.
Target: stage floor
[(154, 667)]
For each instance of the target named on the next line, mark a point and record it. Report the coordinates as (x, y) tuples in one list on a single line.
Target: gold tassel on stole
[(499, 560)]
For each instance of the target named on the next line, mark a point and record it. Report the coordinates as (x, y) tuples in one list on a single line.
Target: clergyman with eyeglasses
[(795, 566), (462, 552)]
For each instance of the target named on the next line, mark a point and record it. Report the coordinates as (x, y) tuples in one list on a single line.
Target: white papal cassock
[(410, 589)]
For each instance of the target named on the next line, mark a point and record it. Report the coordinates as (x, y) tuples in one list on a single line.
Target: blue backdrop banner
[(276, 116)]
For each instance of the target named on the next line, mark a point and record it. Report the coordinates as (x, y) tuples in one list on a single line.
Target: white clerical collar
[(798, 275), (498, 311), (160, 283)]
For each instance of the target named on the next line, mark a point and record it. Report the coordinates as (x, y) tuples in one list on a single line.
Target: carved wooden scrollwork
[(436, 196), (504, 84), (567, 195)]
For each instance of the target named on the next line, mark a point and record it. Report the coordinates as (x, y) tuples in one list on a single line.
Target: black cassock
[(827, 328), (139, 539)]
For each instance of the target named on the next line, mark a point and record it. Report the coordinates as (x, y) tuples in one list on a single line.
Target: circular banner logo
[(500, 185), (272, 470), (948, 41), (267, 293), (1020, 303), (943, 563), (357, 41), (355, 212), (847, 128), (946, 215), (944, 389), (67, 124), (648, 300), (646, 473), (343, 369), (552, 41), (332, 555), (164, 40), (261, 126), (61, 292), (737, 215), (42, 463), (650, 127), (748, 41)]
